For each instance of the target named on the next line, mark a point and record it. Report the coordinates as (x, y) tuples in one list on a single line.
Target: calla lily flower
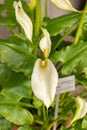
[(81, 109), (23, 19), (44, 81), (45, 43), (64, 4)]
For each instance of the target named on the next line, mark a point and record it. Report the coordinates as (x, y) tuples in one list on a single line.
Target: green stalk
[(38, 122), (55, 121), (44, 113), (52, 124), (46, 8), (79, 31), (38, 18)]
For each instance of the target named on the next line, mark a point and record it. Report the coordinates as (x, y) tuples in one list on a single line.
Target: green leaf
[(37, 103), (82, 80), (78, 125), (16, 85), (84, 123), (71, 57), (85, 71), (16, 114), (57, 25), (64, 128), (4, 124), (2, 8), (8, 22), (16, 88), (17, 54), (25, 127)]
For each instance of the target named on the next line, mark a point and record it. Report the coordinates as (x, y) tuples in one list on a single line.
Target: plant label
[(66, 84)]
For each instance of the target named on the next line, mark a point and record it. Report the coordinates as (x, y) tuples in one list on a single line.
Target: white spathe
[(64, 4), (44, 81), (45, 43), (81, 109), (23, 19)]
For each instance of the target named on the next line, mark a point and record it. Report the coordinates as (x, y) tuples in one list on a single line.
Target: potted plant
[(34, 58)]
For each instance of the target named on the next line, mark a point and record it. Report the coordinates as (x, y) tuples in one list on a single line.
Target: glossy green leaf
[(64, 128), (71, 57), (16, 85), (82, 80), (84, 123), (5, 124), (16, 88), (37, 103), (85, 71), (25, 127), (2, 8), (78, 125), (16, 114), (57, 25), (7, 22), (17, 54)]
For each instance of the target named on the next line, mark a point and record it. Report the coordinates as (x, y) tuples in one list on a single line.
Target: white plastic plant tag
[(66, 84)]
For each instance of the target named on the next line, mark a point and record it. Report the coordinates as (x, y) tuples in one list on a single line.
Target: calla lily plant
[(33, 60)]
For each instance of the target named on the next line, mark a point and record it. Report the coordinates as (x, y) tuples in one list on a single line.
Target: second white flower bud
[(45, 43)]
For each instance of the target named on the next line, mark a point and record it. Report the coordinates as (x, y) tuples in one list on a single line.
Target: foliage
[(18, 105)]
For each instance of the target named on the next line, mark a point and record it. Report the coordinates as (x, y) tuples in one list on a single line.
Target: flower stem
[(38, 122), (46, 7), (52, 124), (38, 17), (79, 31), (62, 118), (44, 113)]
